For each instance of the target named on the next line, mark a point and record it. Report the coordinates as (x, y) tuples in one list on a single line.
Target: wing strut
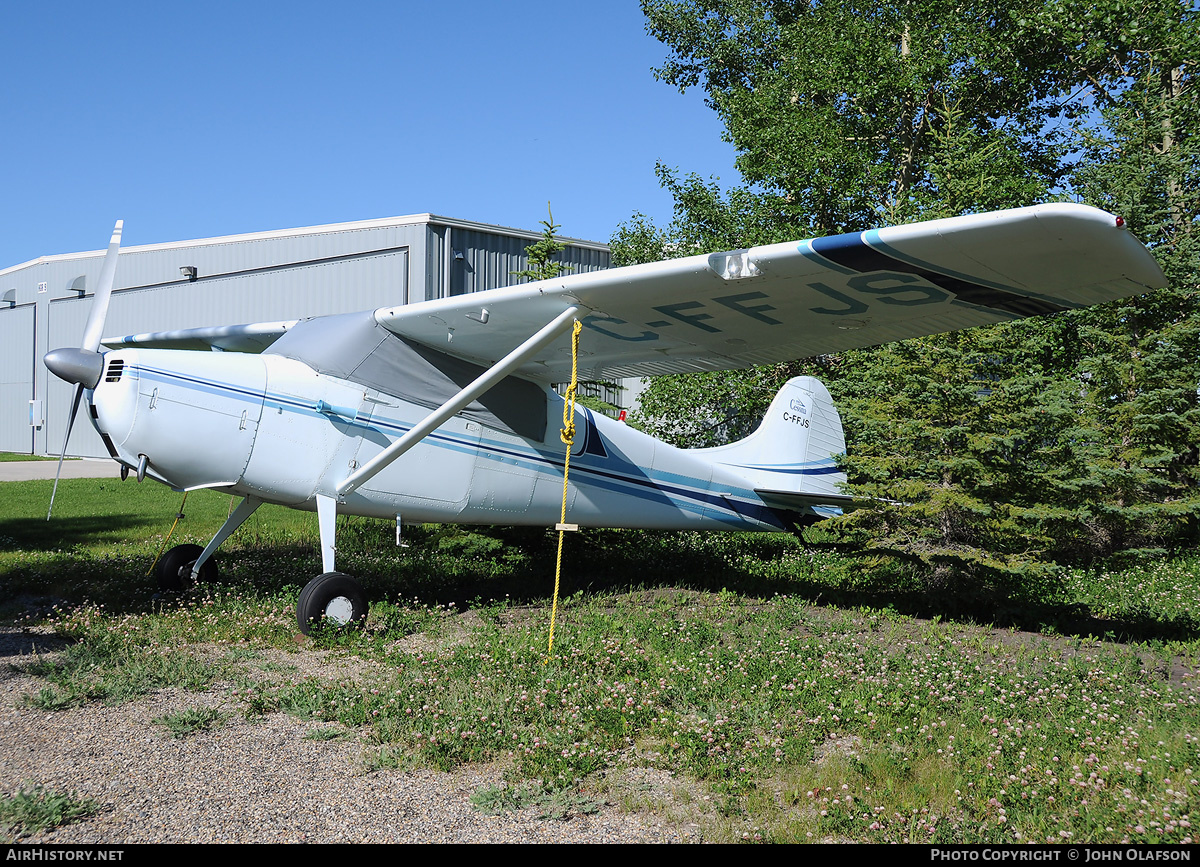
[(456, 404)]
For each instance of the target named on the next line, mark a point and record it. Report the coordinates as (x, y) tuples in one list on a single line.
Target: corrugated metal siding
[(294, 292), (435, 261), (16, 377), (155, 267), (492, 260)]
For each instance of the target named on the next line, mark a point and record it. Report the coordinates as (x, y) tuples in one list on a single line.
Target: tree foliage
[(999, 451), (542, 264), (847, 113)]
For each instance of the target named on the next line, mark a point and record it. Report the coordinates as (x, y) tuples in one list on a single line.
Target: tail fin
[(790, 458)]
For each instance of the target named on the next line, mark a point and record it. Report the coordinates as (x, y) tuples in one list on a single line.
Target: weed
[(112, 665), (190, 721), (236, 654), (33, 809), (558, 804), (564, 804), (49, 698), (277, 667), (502, 798)]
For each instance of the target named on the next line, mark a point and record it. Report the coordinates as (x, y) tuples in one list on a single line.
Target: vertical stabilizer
[(789, 460)]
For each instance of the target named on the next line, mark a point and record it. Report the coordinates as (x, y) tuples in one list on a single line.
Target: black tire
[(174, 568), (333, 596)]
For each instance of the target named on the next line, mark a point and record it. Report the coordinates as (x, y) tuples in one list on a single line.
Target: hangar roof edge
[(378, 223)]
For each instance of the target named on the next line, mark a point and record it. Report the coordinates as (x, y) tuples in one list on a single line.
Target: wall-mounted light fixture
[(189, 271)]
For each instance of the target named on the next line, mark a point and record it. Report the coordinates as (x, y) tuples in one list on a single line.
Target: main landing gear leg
[(331, 596), (247, 507)]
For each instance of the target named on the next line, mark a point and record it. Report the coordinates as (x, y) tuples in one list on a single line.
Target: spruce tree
[(542, 264)]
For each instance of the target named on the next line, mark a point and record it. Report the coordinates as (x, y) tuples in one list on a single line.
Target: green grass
[(794, 694), (326, 733), (33, 809), (17, 456)]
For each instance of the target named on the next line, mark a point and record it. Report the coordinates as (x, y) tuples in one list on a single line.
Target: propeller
[(84, 364)]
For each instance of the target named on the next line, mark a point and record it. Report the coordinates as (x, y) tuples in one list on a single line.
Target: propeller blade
[(83, 366), (94, 330), (62, 455)]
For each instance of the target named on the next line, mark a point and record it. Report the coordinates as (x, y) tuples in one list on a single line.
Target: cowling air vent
[(115, 368)]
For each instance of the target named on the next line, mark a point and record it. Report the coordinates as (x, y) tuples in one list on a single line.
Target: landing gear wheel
[(334, 597), (174, 568)]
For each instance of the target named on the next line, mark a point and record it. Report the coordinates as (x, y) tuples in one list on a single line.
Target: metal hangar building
[(259, 277)]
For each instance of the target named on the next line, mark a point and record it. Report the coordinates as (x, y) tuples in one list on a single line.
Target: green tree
[(542, 253), (848, 114), (544, 266), (698, 410), (995, 453), (972, 451), (1139, 156), (845, 116)]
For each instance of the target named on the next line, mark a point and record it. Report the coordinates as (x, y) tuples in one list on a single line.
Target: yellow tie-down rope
[(163, 546), (567, 435)]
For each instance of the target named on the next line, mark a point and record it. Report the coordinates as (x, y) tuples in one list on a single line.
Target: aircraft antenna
[(567, 435)]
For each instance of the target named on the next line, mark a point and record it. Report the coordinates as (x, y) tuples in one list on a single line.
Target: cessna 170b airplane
[(443, 411)]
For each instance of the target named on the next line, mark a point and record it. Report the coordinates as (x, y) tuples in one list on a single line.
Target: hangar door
[(16, 378)]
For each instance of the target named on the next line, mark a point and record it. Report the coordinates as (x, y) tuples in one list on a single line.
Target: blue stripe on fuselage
[(684, 494)]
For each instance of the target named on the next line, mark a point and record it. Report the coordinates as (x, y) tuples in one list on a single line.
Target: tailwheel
[(333, 597), (174, 568)]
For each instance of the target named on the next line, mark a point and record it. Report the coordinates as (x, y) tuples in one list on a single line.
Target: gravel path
[(259, 781)]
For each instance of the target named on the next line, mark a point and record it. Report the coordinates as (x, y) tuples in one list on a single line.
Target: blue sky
[(190, 120)]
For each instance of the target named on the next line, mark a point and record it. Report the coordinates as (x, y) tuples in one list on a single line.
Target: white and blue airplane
[(443, 411)]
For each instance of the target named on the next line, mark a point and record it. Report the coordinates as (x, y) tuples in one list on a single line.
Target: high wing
[(794, 300), (772, 303)]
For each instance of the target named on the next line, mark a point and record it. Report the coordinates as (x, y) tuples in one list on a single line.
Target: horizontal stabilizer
[(793, 502), (253, 337)]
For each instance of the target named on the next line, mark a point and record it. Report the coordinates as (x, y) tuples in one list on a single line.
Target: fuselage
[(273, 428)]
